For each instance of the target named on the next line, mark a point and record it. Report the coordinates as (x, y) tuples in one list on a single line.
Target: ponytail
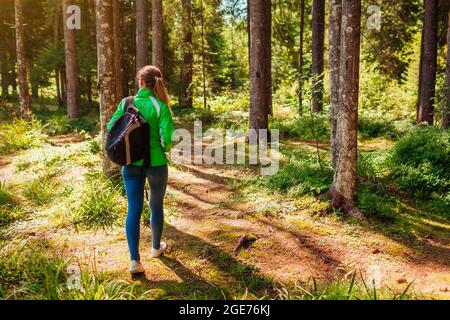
[(161, 91)]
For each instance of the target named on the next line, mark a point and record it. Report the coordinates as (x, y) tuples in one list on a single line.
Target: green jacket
[(161, 129)]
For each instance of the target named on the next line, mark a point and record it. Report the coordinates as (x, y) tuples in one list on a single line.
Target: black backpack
[(129, 138)]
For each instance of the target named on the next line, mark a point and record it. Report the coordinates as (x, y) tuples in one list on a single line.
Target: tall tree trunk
[(188, 56), (318, 43), (4, 73), (202, 21), (249, 38), (118, 74), (429, 67), (446, 113), (344, 188), (89, 88), (260, 63), (141, 33), (334, 38), (157, 34), (300, 56), (62, 74), (56, 26), (15, 93), (73, 107), (420, 78), (24, 97), (105, 69)]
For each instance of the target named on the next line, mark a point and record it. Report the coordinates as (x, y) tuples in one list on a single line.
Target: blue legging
[(134, 180)]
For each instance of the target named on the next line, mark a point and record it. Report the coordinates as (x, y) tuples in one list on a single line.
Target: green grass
[(28, 272), (100, 203), (20, 135), (417, 164), (300, 173), (353, 287), (10, 207), (40, 190)]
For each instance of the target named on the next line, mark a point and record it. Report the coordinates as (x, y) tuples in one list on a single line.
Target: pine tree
[(429, 63), (25, 102), (157, 34), (105, 70), (344, 188), (334, 38), (188, 56), (318, 36), (73, 107), (141, 33), (260, 63)]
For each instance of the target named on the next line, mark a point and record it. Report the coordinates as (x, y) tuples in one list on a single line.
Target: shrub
[(420, 162), (61, 124)]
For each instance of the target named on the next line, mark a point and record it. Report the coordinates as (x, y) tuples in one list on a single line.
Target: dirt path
[(205, 219)]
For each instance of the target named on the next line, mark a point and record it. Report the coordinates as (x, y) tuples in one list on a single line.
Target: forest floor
[(290, 242)]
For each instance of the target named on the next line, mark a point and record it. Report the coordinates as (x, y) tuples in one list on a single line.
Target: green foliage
[(301, 176), (389, 48), (421, 161), (304, 127), (61, 124), (297, 176), (20, 135), (376, 127)]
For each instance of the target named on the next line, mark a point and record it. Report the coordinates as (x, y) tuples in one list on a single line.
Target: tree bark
[(118, 75), (318, 44), (334, 38), (141, 33), (24, 96), (56, 32), (300, 56), (63, 84), (105, 69), (260, 63), (157, 34), (344, 188), (73, 106), (4, 73), (188, 56), (429, 67), (202, 21), (446, 112)]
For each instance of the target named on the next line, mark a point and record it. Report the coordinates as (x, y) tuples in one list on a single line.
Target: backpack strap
[(129, 102)]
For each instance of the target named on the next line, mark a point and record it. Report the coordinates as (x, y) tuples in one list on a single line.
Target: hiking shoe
[(136, 267), (158, 252)]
